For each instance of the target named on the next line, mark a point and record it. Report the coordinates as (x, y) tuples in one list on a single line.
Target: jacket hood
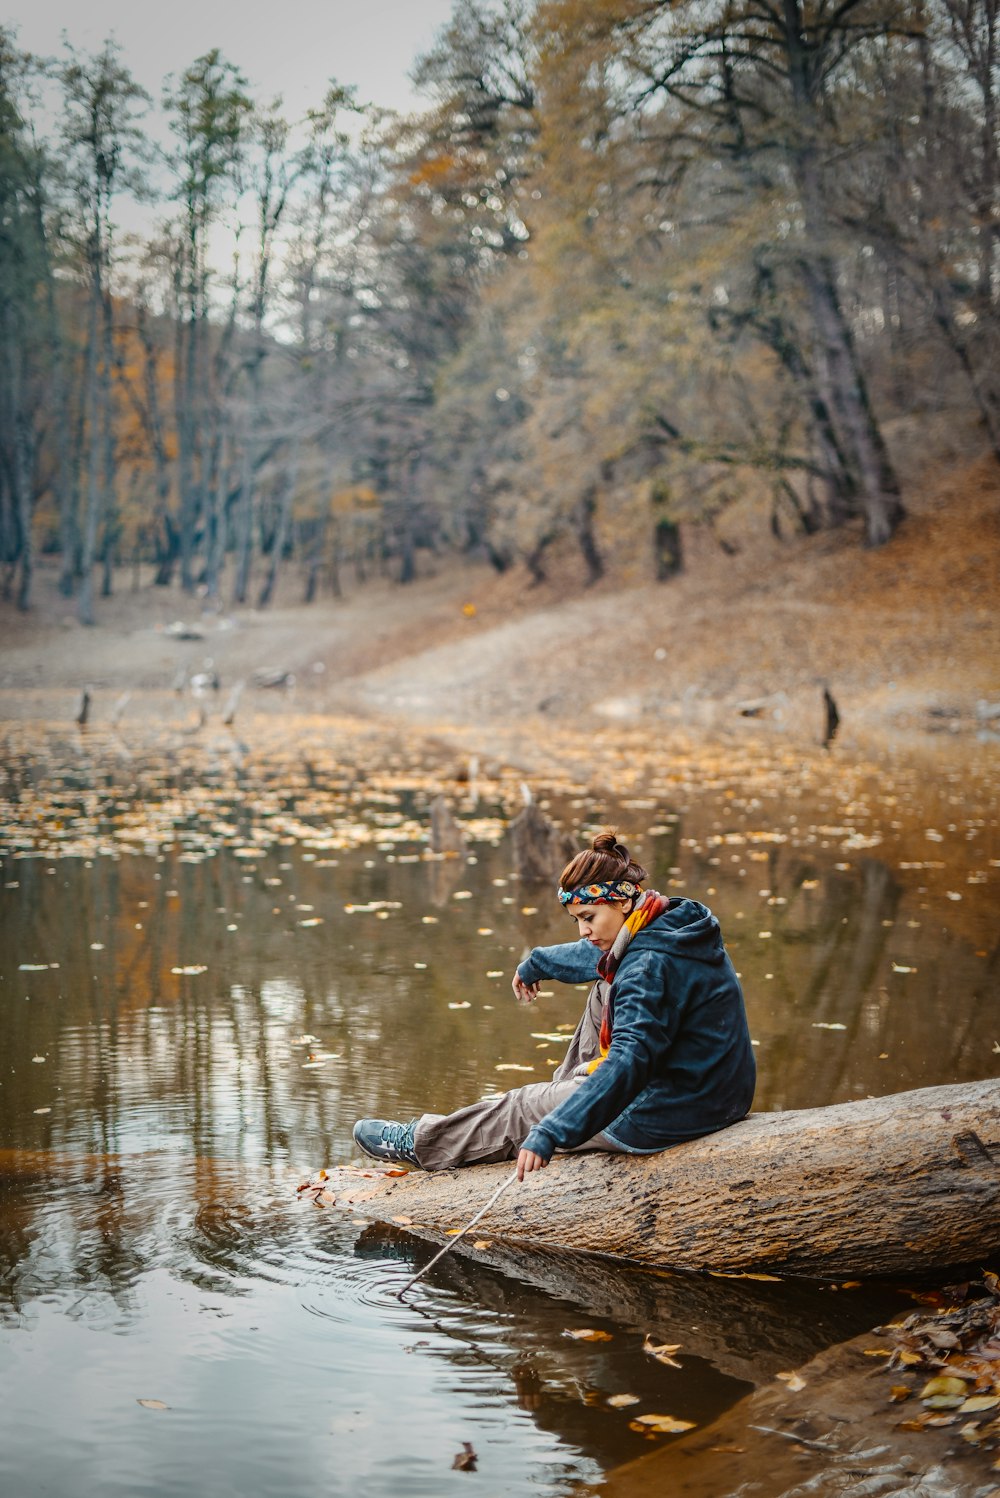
[(686, 928)]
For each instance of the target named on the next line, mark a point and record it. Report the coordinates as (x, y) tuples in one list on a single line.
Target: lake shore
[(906, 639)]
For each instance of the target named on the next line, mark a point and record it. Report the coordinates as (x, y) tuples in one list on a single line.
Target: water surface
[(214, 958)]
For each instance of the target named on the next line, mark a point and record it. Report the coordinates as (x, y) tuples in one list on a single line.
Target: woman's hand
[(525, 993), (527, 1161)]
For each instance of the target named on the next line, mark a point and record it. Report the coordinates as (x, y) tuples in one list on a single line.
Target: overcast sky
[(290, 49)]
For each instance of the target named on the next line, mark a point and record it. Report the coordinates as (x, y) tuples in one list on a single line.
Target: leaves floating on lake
[(466, 1459), (587, 1334), (661, 1424), (663, 1352), (153, 1404)]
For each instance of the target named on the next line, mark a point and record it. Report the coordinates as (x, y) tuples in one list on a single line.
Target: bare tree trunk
[(85, 605), (21, 455), (281, 530), (153, 420), (111, 520), (244, 524), (583, 527), (838, 371)]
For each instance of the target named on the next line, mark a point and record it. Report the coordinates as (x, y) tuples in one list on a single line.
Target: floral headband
[(600, 894)]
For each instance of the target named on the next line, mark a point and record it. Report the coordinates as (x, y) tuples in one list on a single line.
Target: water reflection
[(208, 974)]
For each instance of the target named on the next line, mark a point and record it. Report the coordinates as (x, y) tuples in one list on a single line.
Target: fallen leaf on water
[(38, 1058), (621, 1401), (462, 1004), (465, 1460), (191, 970), (794, 1381), (312, 1065), (662, 1352), (512, 1066), (897, 968), (313, 920), (41, 1110), (586, 1334), (822, 1025), (667, 1424), (153, 1404)]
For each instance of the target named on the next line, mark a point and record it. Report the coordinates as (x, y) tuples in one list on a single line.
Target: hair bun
[(607, 842)]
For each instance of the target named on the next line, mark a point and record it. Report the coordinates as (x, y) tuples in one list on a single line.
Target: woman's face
[(598, 924)]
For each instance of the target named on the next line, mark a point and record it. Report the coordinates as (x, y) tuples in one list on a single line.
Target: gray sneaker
[(385, 1140)]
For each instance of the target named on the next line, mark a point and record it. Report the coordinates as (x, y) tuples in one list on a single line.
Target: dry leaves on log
[(318, 1192)]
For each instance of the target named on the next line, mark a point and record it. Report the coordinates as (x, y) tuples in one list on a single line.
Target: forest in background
[(633, 262)]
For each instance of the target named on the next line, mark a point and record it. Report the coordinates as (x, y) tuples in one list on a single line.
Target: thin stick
[(451, 1243)]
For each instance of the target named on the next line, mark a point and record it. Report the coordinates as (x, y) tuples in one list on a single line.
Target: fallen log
[(904, 1184)]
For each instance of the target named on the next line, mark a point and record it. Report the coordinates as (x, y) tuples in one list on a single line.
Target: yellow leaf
[(586, 1334), (794, 1381), (666, 1424), (152, 1404), (406, 1221), (621, 1401), (662, 1352), (482, 1243), (935, 1387), (979, 1402)]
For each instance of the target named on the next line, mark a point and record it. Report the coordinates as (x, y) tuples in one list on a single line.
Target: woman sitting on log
[(661, 1053)]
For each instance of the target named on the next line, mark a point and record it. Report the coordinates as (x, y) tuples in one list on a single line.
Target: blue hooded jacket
[(680, 1063)]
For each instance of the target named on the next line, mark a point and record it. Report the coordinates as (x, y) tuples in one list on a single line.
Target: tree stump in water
[(446, 834), (540, 849)]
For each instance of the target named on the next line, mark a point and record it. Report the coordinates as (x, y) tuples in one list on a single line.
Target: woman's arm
[(642, 1034), (569, 962)]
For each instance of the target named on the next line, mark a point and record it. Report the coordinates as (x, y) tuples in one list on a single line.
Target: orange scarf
[(651, 904)]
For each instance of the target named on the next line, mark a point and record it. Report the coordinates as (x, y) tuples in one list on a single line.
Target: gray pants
[(495, 1128)]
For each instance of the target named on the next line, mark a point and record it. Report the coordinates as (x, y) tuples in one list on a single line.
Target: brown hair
[(605, 861)]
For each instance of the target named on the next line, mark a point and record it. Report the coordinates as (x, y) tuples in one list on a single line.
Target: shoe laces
[(398, 1136)]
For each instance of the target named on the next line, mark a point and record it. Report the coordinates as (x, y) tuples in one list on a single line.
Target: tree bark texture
[(896, 1185)]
